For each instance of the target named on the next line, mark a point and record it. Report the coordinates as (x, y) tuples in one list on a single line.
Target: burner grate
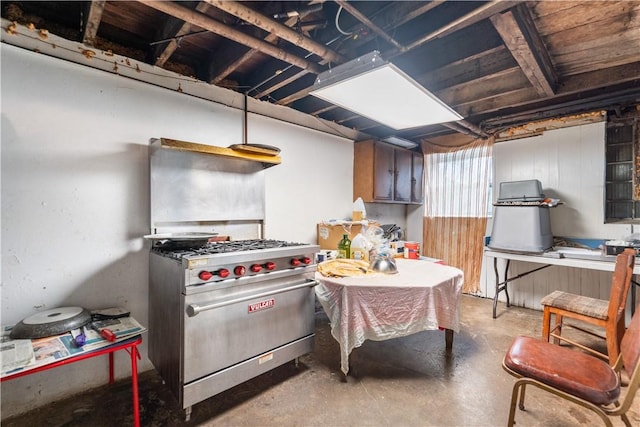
[(213, 248)]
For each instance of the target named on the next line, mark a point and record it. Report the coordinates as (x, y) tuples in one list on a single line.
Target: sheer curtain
[(457, 201)]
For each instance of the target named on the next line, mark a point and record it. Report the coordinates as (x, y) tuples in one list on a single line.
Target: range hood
[(267, 160)]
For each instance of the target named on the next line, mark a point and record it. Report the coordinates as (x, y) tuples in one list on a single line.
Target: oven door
[(224, 328)]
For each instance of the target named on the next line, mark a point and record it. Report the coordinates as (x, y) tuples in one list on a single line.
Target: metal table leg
[(135, 355), (502, 285)]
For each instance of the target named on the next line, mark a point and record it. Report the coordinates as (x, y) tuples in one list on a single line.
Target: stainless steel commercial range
[(220, 312)]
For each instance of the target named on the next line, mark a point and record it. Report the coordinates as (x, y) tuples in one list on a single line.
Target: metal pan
[(267, 150), (184, 240), (51, 322)]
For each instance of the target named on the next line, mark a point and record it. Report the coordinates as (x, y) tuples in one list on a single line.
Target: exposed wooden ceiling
[(498, 63)]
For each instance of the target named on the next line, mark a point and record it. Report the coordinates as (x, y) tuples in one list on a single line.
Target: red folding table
[(130, 345)]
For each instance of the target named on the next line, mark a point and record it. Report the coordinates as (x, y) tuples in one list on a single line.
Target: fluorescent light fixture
[(400, 142), (380, 91)]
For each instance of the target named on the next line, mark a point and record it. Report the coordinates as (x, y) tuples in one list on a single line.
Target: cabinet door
[(383, 172), (417, 180), (402, 182)]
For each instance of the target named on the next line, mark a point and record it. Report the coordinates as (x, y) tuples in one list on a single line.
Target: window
[(456, 183), (622, 175)]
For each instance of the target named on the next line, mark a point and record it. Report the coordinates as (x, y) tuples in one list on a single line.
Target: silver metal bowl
[(386, 265)]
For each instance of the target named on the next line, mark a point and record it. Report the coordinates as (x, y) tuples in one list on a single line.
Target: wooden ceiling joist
[(464, 21), (470, 68), (282, 31), (323, 110), (163, 52), (282, 83), (366, 21), (424, 8), (92, 21), (601, 78), (518, 31), (234, 65), (204, 21)]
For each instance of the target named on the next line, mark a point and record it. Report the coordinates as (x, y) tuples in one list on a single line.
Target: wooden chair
[(576, 376), (609, 315)]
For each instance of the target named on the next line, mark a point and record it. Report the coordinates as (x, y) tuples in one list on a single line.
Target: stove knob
[(256, 268), (205, 275), (270, 266), (223, 272), (295, 262), (305, 260), (239, 270)]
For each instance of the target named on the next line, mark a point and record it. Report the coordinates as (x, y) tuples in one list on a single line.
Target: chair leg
[(522, 390), (621, 329), (546, 323), (522, 382), (512, 408), (557, 328), (613, 343)]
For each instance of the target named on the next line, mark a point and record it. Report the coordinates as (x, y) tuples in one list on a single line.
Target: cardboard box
[(397, 248), (329, 234)]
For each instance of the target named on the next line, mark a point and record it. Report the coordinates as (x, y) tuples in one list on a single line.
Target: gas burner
[(213, 248)]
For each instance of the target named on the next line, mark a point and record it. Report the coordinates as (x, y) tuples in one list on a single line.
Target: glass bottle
[(344, 247)]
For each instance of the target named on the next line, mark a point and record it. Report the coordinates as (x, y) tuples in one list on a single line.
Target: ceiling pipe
[(210, 24), (366, 21), (287, 81), (254, 18), (280, 84), (271, 38), (424, 8)]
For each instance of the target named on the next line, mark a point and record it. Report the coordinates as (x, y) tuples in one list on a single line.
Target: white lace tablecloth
[(422, 296)]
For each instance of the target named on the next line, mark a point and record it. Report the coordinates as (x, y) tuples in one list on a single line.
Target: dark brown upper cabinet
[(383, 173)]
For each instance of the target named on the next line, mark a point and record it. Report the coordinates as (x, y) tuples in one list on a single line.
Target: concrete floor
[(408, 381)]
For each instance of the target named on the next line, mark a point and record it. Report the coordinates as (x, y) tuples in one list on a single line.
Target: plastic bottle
[(344, 247), (359, 249)]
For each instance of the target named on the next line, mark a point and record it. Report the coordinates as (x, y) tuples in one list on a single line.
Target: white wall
[(75, 194), (570, 164)]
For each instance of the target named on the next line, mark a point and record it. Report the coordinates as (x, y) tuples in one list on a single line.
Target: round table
[(423, 295)]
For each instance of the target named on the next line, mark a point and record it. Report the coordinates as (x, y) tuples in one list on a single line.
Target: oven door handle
[(193, 309)]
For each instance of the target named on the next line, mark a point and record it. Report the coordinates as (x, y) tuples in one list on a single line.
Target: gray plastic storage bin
[(521, 229), (529, 190)]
